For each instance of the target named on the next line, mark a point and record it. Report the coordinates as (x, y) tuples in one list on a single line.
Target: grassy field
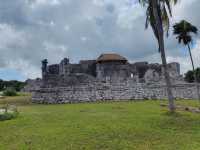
[(104, 126)]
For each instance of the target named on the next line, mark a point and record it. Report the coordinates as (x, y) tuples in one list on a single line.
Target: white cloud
[(36, 3), (50, 2), (52, 23), (99, 2), (25, 67), (10, 37), (83, 29), (55, 51), (84, 39), (128, 15), (196, 54), (67, 27), (185, 61)]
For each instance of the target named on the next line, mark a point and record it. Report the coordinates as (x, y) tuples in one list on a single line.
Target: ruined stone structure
[(109, 77), (32, 85)]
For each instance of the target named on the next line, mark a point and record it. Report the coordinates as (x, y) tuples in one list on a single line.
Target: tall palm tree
[(157, 15), (183, 30)]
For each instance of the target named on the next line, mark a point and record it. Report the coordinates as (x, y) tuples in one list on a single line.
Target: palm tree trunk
[(167, 77), (195, 75), (159, 28)]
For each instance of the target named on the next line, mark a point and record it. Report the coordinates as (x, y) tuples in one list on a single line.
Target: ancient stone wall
[(109, 90), (110, 77), (113, 70), (109, 69), (32, 85)]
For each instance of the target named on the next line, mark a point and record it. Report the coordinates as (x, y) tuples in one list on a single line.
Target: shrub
[(9, 92), (8, 113)]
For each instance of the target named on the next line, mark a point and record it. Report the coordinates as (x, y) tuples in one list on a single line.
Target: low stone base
[(106, 92)]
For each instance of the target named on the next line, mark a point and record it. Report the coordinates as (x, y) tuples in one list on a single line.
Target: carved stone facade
[(109, 77)]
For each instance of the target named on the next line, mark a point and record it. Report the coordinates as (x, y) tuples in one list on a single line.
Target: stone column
[(44, 67)]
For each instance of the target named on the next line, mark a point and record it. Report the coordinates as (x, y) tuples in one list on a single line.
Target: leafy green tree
[(157, 15), (16, 85), (198, 75), (189, 76), (183, 31), (1, 85)]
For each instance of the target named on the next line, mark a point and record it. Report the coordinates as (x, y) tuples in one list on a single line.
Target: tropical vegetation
[(158, 13), (16, 85), (189, 75), (184, 30)]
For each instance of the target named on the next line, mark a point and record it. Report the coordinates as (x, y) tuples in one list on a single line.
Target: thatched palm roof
[(110, 57)]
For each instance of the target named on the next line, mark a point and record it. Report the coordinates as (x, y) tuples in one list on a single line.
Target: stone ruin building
[(109, 77), (32, 85)]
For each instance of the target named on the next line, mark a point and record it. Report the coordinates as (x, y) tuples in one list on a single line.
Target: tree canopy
[(16, 85), (165, 12), (183, 30), (189, 76)]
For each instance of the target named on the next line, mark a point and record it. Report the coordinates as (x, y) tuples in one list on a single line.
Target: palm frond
[(183, 30), (164, 7)]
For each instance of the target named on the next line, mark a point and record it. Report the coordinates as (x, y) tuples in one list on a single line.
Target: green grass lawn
[(99, 126)]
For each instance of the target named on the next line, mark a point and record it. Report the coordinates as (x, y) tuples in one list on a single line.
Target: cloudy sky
[(31, 30)]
